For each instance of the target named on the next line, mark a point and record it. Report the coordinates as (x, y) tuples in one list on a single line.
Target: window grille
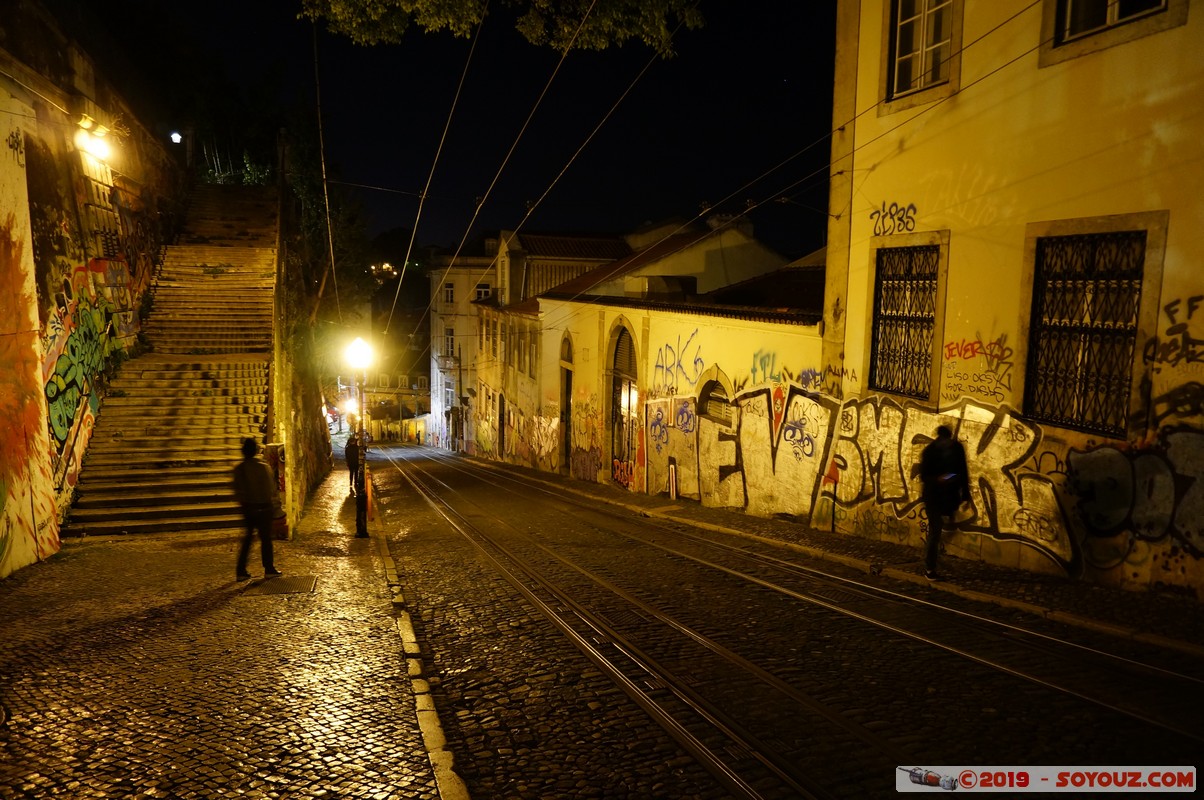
[(1083, 334), (1079, 18), (905, 287), (922, 44)]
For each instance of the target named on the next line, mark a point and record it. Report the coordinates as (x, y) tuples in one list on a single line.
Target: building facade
[(1013, 251), (1020, 260)]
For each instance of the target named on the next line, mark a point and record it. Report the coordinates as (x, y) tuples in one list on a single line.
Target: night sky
[(751, 89)]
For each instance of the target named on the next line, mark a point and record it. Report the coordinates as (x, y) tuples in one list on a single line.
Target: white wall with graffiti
[(77, 244), (1027, 147)]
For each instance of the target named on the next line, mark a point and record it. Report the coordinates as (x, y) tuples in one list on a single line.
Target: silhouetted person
[(255, 488), (946, 480), (351, 451)]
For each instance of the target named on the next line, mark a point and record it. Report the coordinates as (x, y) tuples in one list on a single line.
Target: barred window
[(905, 302), (1083, 334)]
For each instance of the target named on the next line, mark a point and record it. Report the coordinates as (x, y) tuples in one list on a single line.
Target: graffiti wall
[(1040, 501), (78, 243), (28, 522), (778, 444)]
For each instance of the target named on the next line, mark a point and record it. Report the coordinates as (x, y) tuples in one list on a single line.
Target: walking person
[(946, 480), (255, 488), (351, 452)]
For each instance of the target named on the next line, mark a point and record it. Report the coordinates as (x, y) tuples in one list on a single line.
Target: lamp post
[(359, 357)]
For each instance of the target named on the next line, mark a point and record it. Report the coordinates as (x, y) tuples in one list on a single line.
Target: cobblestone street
[(137, 667)]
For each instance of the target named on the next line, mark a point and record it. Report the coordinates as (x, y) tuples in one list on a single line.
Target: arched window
[(713, 403)]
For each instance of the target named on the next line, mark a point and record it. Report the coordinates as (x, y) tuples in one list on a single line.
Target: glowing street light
[(359, 356)]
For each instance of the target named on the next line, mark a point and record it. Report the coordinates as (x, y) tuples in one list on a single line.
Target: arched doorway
[(501, 427), (624, 409), (566, 405)]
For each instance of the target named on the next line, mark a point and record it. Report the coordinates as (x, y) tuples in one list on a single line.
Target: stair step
[(83, 515), (166, 497), (163, 525), (134, 477)]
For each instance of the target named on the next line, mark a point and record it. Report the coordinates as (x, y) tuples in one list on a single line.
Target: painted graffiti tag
[(1176, 345), (678, 366), (622, 472), (685, 417), (658, 428), (894, 218), (1153, 493)]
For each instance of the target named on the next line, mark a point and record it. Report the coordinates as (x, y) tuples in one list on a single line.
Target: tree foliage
[(545, 23)]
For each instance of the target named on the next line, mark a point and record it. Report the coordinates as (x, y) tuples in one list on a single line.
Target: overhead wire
[(514, 145), (325, 191), (434, 163), (827, 166)]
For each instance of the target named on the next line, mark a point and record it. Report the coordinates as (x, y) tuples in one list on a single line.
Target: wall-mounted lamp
[(176, 137), (93, 144)]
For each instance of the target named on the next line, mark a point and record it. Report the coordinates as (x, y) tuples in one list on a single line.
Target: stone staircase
[(168, 432)]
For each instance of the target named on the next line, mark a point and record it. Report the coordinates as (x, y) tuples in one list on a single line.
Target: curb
[(449, 784)]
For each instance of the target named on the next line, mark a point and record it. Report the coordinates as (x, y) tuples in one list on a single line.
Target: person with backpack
[(946, 481)]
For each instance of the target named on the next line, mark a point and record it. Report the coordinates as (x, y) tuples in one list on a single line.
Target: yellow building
[(1015, 252)]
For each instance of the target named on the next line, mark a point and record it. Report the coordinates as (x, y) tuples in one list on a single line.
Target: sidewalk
[(137, 667)]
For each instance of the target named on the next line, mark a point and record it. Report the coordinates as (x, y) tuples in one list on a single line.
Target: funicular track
[(692, 685)]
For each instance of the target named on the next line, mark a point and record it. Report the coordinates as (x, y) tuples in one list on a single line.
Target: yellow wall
[(1113, 132)]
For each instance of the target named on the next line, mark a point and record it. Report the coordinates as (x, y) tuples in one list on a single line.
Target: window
[(922, 60), (502, 336), (483, 290), (1093, 292), (713, 403), (422, 382), (906, 324), (1084, 17), (383, 380), (449, 293), (624, 400), (449, 341), (1072, 28), (493, 337)]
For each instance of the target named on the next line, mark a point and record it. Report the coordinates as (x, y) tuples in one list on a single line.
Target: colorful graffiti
[(1153, 493), (678, 366), (1177, 345), (978, 368)]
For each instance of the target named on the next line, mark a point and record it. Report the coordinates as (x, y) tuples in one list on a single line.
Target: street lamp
[(359, 357)]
